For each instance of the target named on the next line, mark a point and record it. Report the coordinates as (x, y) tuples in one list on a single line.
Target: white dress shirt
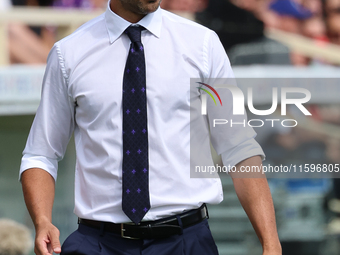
[(82, 93)]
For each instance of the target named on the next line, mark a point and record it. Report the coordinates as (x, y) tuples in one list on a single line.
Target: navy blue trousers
[(195, 240)]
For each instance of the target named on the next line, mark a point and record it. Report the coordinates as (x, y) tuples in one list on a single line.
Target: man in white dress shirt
[(82, 93)]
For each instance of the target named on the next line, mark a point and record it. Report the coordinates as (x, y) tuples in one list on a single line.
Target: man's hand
[(38, 187), (46, 239), (254, 194)]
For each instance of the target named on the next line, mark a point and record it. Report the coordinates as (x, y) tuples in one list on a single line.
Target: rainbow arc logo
[(209, 93)]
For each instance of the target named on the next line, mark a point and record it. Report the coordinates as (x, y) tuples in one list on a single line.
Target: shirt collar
[(116, 25)]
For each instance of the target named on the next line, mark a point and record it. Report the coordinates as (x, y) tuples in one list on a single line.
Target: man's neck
[(117, 7)]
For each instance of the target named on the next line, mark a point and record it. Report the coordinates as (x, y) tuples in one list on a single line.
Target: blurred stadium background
[(277, 39)]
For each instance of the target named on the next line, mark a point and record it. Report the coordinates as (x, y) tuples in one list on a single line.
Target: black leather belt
[(152, 229)]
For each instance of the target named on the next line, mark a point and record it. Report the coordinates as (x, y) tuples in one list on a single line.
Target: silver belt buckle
[(204, 213), (122, 232)]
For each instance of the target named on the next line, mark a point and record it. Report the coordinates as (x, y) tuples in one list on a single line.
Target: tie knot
[(134, 33)]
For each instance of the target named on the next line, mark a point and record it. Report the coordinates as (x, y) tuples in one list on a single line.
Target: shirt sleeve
[(53, 124), (234, 140)]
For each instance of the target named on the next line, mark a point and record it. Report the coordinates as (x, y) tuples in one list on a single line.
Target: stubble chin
[(149, 7)]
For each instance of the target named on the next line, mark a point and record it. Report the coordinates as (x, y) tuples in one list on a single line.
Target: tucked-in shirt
[(82, 93)]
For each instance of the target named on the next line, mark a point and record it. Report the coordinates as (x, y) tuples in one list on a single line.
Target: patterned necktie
[(136, 202)]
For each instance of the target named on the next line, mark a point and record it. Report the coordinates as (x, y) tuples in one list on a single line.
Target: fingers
[(57, 250), (41, 248), (47, 240), (55, 243)]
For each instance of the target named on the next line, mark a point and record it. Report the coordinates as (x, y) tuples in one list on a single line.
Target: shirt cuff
[(29, 161), (247, 149)]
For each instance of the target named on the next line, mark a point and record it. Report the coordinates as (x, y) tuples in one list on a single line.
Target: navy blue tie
[(135, 200)]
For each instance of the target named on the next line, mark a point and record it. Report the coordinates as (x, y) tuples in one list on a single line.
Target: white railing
[(306, 46), (66, 21)]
